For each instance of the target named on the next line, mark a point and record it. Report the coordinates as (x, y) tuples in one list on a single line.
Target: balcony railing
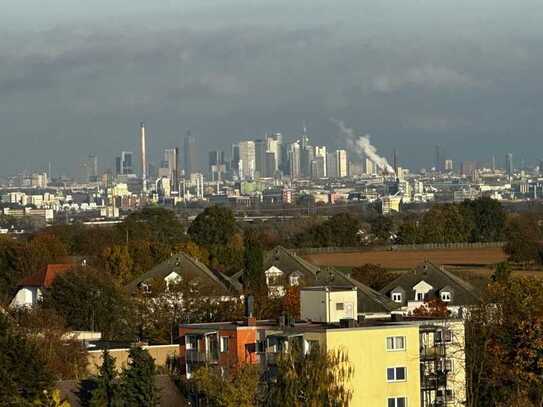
[(195, 356)]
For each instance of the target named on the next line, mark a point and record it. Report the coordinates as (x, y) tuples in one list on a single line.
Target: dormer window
[(446, 296), (397, 297), (420, 296), (294, 280)]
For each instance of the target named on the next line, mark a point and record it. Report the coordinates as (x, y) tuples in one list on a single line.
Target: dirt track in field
[(406, 259)]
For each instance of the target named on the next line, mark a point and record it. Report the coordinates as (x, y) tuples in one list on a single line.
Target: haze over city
[(77, 78)]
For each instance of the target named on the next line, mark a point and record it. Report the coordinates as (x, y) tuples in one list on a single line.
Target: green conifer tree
[(138, 386), (107, 392)]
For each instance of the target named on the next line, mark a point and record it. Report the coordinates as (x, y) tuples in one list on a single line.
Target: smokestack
[(143, 158), (395, 162)]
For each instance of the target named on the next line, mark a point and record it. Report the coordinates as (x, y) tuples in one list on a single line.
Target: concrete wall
[(160, 353), (367, 352)]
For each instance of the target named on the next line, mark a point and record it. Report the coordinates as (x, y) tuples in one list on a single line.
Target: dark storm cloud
[(462, 75)]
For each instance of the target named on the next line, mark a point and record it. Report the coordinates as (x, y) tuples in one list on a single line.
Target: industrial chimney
[(143, 158)]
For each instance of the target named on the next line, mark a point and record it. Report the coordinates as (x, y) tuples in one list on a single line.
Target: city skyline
[(73, 83)]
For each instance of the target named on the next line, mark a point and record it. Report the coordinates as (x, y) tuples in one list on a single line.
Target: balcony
[(195, 356), (432, 353)]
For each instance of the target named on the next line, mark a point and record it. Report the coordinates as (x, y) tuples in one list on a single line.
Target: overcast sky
[(77, 76)]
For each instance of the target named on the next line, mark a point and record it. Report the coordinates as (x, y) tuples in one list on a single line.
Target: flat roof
[(306, 326)]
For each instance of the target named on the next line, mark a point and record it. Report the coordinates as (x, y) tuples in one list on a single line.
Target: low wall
[(160, 353), (428, 246)]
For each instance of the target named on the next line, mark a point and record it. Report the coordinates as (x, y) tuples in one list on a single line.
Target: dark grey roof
[(369, 300), (438, 278), (288, 262), (185, 265)]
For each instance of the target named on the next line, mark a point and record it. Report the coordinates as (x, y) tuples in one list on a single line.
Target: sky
[(78, 76)]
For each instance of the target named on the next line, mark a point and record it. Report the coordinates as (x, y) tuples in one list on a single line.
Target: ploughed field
[(407, 259)]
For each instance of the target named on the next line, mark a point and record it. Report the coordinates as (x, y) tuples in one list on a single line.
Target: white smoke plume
[(361, 145)]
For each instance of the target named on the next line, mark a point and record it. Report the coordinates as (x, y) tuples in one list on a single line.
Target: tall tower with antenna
[(143, 158)]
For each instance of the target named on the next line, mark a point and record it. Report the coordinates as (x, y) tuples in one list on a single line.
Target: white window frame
[(395, 348), (446, 296), (223, 348), (395, 398), (420, 296), (395, 370), (397, 297)]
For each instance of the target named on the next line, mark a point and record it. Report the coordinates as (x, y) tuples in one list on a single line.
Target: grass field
[(473, 265), (407, 259)]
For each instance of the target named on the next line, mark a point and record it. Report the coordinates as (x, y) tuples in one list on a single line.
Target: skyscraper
[(171, 161), (320, 152), (92, 168), (509, 164), (189, 155), (217, 165), (260, 158), (247, 158), (293, 155), (123, 163), (331, 165), (438, 159), (342, 163), (273, 145), (143, 158)]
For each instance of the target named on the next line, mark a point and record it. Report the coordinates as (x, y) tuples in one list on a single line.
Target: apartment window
[(224, 343), (191, 342), (395, 343), (446, 364), (396, 374), (443, 335), (446, 296), (340, 306), (397, 297), (397, 402)]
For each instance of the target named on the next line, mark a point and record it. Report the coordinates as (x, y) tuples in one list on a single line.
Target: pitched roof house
[(428, 281), (183, 266), (30, 289), (283, 268)]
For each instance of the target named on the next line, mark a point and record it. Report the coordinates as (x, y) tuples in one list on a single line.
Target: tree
[(24, 376), (90, 300), (373, 276), (325, 385), (488, 218), (118, 263), (432, 308), (214, 226), (253, 272), (138, 380), (153, 224), (340, 230), (408, 232), (237, 388), (504, 345), (445, 224), (107, 391), (291, 302), (522, 239), (65, 358), (382, 227)]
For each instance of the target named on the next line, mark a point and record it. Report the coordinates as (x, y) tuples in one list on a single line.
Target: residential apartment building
[(396, 362)]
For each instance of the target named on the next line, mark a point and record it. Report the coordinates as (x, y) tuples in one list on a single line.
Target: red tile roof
[(45, 278)]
